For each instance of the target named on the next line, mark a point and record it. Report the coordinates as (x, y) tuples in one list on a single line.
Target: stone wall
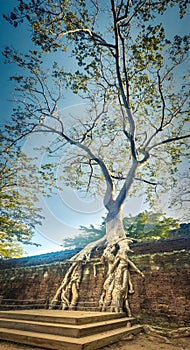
[(164, 295), (161, 297), (32, 283)]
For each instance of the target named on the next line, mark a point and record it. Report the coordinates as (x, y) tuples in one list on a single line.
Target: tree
[(181, 232), (142, 227), (134, 130), (90, 234), (19, 186), (149, 226), (10, 248)]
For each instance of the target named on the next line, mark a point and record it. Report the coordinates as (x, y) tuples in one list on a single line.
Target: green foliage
[(9, 248), (181, 232), (91, 234), (149, 226), (142, 227)]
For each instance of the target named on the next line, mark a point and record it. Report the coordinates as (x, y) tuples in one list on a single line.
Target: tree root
[(117, 285), (66, 296), (166, 334), (85, 253), (154, 332), (180, 332)]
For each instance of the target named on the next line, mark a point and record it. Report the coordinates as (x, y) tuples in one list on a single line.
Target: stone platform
[(65, 330)]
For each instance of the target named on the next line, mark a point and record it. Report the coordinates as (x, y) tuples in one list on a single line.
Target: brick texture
[(162, 297)]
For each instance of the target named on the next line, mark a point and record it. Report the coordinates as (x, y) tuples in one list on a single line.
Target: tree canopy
[(133, 76)]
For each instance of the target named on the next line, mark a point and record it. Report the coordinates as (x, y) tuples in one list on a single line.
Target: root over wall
[(162, 297)]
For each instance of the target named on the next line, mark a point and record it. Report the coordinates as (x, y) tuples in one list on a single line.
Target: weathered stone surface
[(162, 296), (58, 330)]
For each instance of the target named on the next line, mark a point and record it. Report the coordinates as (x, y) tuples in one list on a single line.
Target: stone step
[(57, 342), (75, 330), (61, 316)]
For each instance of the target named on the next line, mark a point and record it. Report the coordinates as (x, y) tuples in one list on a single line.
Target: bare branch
[(162, 99), (123, 18), (147, 181), (90, 176), (127, 184), (172, 139)]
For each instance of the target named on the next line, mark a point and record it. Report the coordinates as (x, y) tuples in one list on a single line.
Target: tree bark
[(114, 224)]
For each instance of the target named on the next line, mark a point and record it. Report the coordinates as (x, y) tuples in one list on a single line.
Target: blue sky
[(65, 211)]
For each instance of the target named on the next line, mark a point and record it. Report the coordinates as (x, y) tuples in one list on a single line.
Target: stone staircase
[(65, 330)]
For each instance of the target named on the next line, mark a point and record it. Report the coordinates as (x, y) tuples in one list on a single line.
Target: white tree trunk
[(114, 225)]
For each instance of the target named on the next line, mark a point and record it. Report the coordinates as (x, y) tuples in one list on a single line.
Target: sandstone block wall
[(163, 296)]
